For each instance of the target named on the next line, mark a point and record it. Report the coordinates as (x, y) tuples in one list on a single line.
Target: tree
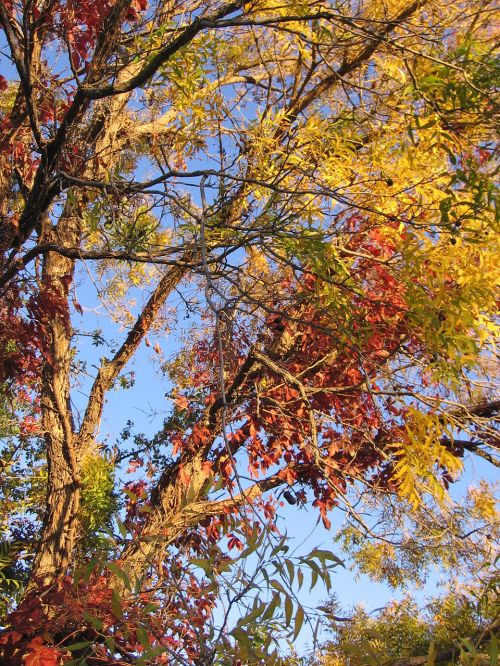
[(404, 634), (458, 626), (312, 183)]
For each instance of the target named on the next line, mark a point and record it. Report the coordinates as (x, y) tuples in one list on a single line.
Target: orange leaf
[(181, 402), (326, 521), (184, 476), (42, 655)]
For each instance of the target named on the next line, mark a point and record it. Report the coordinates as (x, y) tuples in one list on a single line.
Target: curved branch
[(76, 252), (187, 35), (484, 410), (362, 57), (110, 370)]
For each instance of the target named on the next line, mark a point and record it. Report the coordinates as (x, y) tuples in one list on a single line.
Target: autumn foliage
[(287, 212)]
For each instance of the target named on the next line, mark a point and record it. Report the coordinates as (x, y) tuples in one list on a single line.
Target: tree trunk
[(63, 492), (63, 446)]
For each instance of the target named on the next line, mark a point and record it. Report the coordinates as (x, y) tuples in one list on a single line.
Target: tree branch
[(110, 370), (362, 57), (485, 410), (76, 252), (187, 35), (195, 512)]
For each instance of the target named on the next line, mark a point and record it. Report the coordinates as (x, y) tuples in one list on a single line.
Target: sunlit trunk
[(63, 484)]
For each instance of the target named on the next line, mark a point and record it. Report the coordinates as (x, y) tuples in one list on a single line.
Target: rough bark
[(63, 490)]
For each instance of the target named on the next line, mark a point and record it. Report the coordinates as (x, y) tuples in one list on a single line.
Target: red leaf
[(326, 522), (134, 464), (42, 655), (77, 306)]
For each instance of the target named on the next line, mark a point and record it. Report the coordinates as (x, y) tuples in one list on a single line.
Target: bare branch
[(110, 370)]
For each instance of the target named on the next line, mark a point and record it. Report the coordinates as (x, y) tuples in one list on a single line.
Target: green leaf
[(110, 644), (205, 565), (77, 646), (119, 573), (116, 605), (288, 610), (299, 621), (300, 577), (280, 548), (277, 586), (253, 543), (324, 555), (142, 636), (314, 579), (85, 572), (290, 569), (149, 654), (469, 645), (253, 615), (493, 653), (276, 600), (241, 637), (96, 622), (314, 566), (121, 528)]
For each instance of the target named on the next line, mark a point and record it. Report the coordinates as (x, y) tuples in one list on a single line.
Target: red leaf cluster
[(319, 372), (66, 613)]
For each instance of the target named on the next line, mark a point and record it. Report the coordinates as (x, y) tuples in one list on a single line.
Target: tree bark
[(63, 491)]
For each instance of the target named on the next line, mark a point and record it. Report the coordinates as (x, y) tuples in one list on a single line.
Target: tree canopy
[(289, 209), (403, 634), (457, 623)]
